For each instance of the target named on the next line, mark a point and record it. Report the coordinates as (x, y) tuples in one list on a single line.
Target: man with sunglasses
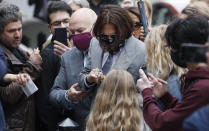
[(113, 47), (58, 16)]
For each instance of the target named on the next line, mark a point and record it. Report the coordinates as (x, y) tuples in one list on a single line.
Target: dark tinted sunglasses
[(105, 36), (138, 24)]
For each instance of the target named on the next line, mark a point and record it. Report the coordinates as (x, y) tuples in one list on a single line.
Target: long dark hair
[(122, 22)]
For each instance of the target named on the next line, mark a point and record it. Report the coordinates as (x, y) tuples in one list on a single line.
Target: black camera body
[(193, 53)]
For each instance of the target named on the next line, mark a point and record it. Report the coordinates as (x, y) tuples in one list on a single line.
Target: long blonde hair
[(116, 106), (159, 61)]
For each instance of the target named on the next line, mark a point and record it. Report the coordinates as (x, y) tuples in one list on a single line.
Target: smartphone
[(61, 35), (144, 68), (193, 53), (143, 17)]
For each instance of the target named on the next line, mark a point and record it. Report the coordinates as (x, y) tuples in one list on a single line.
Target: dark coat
[(48, 115), (19, 110)]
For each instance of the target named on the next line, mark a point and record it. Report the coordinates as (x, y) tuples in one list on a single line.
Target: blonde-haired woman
[(159, 62), (116, 106)]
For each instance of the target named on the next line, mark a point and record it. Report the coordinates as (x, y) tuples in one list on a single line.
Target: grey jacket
[(131, 58), (71, 65)]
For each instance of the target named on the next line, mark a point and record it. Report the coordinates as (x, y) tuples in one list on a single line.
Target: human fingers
[(142, 74), (26, 77), (57, 52), (21, 79), (59, 48), (162, 81), (152, 78), (59, 44), (75, 86)]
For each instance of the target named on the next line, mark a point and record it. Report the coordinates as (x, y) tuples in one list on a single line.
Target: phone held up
[(61, 35), (143, 17), (193, 53)]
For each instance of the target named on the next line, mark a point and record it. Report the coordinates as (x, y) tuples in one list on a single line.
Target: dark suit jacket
[(48, 116), (19, 110)]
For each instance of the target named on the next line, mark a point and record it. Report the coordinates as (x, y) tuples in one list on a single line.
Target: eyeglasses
[(137, 24), (106, 36), (59, 23)]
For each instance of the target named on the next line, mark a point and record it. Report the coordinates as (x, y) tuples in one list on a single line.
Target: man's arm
[(33, 65), (84, 85), (172, 117), (61, 93)]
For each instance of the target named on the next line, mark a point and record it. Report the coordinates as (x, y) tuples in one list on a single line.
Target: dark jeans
[(198, 121)]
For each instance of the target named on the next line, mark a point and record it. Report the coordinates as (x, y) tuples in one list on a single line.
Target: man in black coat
[(58, 15)]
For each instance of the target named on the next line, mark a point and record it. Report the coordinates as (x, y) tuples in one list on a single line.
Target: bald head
[(82, 20)]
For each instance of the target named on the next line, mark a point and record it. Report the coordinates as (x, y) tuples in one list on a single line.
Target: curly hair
[(159, 61), (116, 106)]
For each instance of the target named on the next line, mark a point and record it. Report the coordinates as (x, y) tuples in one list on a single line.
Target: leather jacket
[(19, 109)]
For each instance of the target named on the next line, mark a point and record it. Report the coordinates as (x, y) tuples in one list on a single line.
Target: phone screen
[(193, 53), (61, 35)]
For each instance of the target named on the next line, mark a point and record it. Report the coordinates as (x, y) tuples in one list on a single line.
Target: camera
[(193, 53)]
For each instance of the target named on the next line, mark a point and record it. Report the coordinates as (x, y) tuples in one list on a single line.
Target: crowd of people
[(110, 75)]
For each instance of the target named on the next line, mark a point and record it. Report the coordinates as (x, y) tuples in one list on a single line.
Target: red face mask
[(82, 41)]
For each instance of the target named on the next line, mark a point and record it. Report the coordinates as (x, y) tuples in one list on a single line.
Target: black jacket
[(48, 115)]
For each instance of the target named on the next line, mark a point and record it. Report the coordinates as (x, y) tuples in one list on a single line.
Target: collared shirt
[(115, 57), (85, 58), (104, 59)]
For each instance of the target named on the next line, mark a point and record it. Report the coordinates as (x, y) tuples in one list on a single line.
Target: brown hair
[(134, 10), (116, 106), (112, 14)]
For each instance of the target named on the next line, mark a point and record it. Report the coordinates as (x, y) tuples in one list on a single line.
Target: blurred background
[(35, 29)]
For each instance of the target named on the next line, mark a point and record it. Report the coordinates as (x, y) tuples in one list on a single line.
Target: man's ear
[(50, 28)]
